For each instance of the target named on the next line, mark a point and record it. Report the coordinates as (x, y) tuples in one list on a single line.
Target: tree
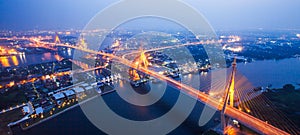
[(289, 87)]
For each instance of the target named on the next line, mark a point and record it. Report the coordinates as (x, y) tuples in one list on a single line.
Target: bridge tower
[(232, 84), (57, 39), (82, 43), (143, 60), (140, 61), (228, 97)]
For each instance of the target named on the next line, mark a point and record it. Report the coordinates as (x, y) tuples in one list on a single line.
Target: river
[(275, 72), (31, 59), (258, 73)]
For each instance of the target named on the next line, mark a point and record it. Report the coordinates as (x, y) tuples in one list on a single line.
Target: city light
[(237, 49), (8, 51), (233, 49), (234, 39), (12, 83), (248, 110), (116, 44)]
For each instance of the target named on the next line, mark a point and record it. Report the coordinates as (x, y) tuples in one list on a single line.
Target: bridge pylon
[(57, 39), (228, 98), (140, 61), (82, 42)]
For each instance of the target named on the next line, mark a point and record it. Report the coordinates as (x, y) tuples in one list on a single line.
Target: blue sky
[(222, 14)]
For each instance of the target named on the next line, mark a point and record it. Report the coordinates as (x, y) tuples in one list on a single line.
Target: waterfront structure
[(70, 94), (59, 98)]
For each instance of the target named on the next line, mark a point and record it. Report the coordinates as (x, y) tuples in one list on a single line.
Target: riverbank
[(53, 116), (65, 110)]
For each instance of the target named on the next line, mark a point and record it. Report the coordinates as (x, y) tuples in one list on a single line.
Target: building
[(89, 88), (39, 110), (70, 94), (79, 92), (85, 85), (26, 110), (58, 98)]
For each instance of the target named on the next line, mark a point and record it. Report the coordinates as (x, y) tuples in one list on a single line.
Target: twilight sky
[(221, 14)]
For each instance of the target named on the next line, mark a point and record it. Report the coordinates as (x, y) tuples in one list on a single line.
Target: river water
[(31, 59), (275, 72)]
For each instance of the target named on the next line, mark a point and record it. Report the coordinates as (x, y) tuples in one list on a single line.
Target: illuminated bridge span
[(230, 111), (38, 43), (174, 46)]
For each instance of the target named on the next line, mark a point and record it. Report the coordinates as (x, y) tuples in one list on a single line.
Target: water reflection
[(58, 58), (69, 51), (15, 60), (47, 56), (4, 61), (29, 59), (23, 58)]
